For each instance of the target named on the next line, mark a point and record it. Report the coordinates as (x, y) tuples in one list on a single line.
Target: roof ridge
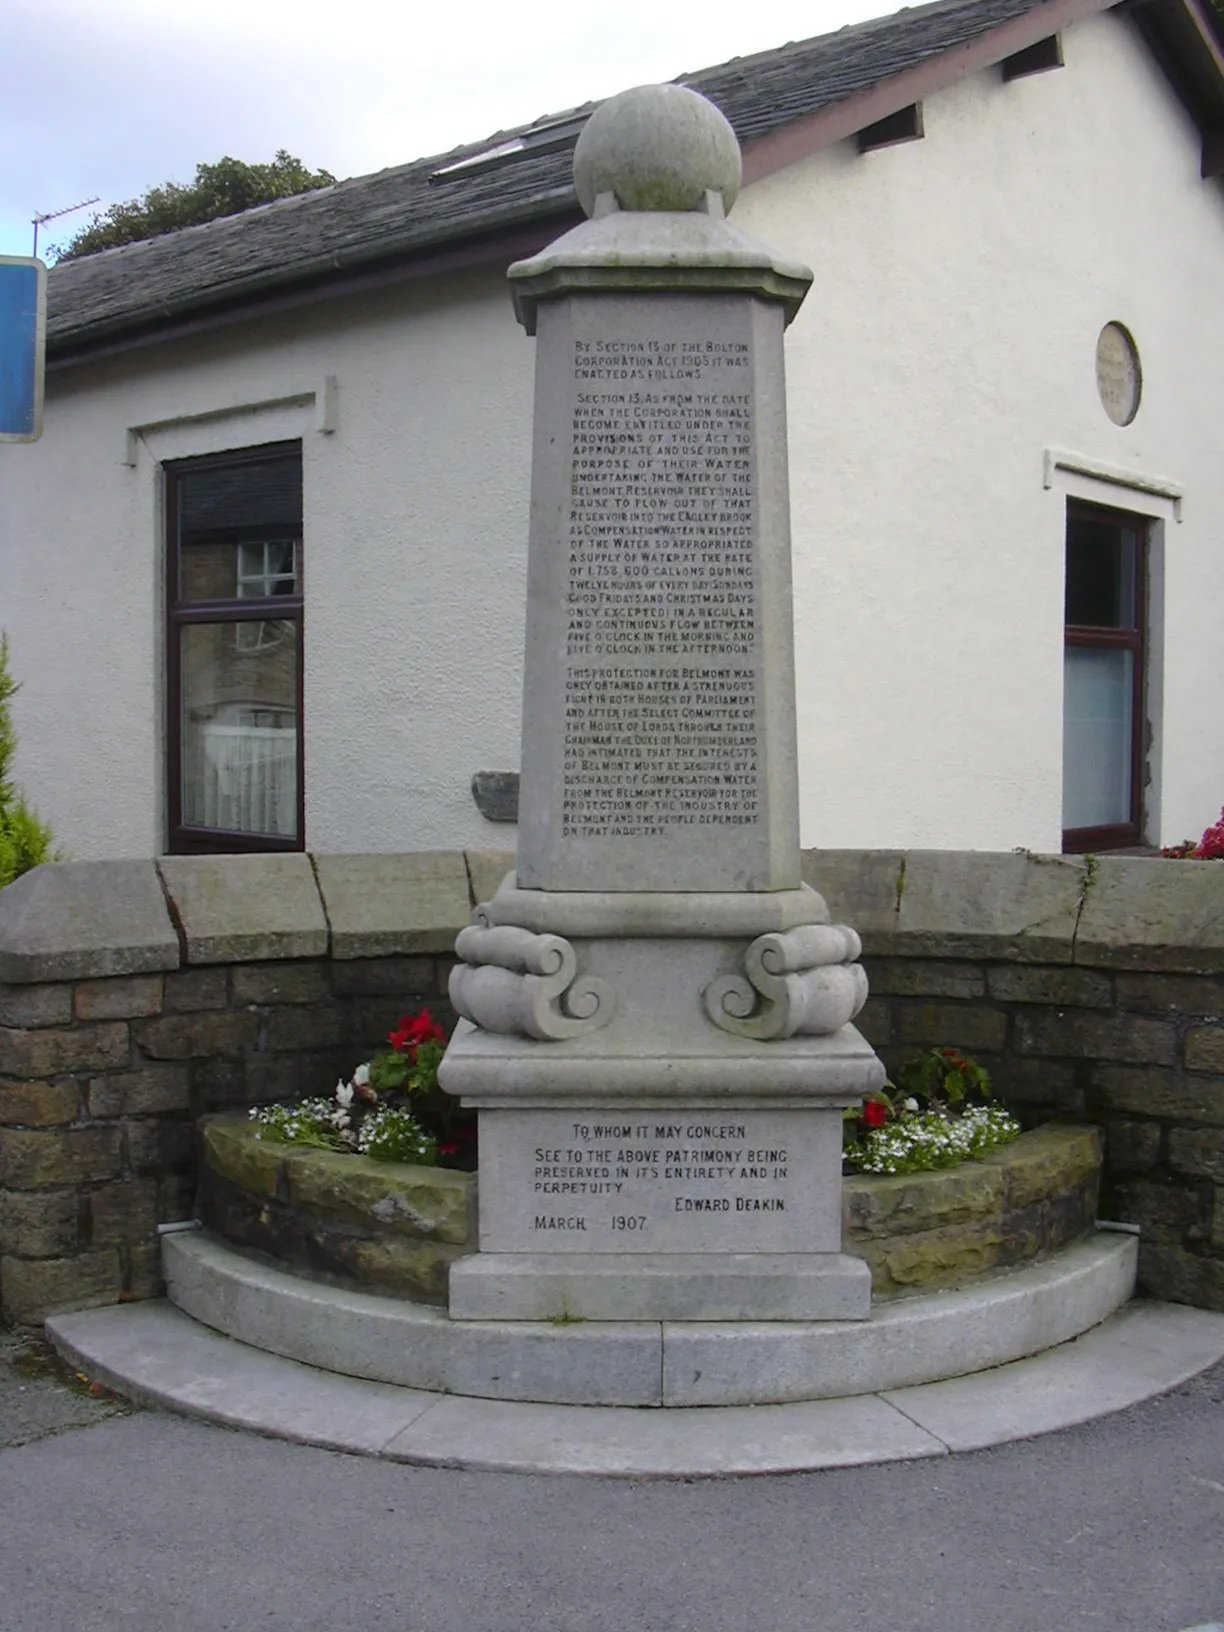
[(371, 225), (472, 150)]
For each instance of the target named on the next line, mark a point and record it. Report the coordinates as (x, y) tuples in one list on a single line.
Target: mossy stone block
[(934, 1258), (910, 1203), (383, 905), (234, 1150), (400, 1265), (431, 1203), (247, 908), (1046, 1162)]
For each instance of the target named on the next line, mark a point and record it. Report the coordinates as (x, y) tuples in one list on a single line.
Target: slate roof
[(384, 219)]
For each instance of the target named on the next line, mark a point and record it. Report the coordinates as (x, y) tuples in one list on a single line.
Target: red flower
[(448, 1147), (875, 1113), (424, 1030), (1211, 846), (413, 1030)]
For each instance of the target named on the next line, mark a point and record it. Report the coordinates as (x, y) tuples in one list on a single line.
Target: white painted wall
[(949, 338), (414, 552)]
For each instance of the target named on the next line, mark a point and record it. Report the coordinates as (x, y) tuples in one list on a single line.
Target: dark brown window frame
[(1118, 835), (181, 838)]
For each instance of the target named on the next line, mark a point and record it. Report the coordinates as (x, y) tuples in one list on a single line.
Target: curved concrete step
[(155, 1355), (649, 1363)]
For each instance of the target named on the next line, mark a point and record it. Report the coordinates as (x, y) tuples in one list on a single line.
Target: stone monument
[(655, 1007)]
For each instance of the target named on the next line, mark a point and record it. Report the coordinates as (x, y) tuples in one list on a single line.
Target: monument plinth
[(656, 1010)]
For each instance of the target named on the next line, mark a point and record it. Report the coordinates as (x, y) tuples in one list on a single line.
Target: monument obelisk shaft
[(658, 743), (656, 1010)]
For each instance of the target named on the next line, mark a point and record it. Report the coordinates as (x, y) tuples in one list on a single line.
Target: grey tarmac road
[(151, 1523)]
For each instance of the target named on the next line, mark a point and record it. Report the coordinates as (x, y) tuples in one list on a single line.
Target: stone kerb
[(137, 996)]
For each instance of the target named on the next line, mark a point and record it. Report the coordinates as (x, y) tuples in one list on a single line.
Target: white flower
[(361, 1077), (909, 1104), (344, 1095)]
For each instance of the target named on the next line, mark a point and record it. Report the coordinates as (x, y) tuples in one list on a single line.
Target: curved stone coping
[(95, 919), (1022, 1201), (387, 1227), (157, 1356), (1103, 912), (693, 914), (640, 1363)]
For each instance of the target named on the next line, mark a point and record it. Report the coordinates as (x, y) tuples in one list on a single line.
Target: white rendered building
[(263, 576)]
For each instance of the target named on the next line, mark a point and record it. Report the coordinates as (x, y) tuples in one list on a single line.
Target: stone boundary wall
[(1092, 988), (136, 996)]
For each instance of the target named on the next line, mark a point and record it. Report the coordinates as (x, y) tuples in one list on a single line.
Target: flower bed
[(937, 1114), (388, 1227), (395, 1229), (1022, 1201), (391, 1108)]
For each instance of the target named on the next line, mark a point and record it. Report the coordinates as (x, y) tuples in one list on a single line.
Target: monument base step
[(157, 1356), (660, 1286), (652, 1363)]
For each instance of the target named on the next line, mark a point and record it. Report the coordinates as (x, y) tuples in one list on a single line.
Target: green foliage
[(370, 1115), (412, 1072), (25, 841), (226, 188), (943, 1075)]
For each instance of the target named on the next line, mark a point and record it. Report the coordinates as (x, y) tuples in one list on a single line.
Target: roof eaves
[(1176, 31), (1187, 47), (317, 273), (804, 136)]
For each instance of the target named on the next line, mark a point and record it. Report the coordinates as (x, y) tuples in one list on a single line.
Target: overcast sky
[(111, 98)]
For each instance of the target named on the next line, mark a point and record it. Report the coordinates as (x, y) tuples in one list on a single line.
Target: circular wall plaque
[(1119, 376)]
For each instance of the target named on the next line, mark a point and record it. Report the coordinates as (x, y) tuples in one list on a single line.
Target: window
[(1103, 671), (234, 649)]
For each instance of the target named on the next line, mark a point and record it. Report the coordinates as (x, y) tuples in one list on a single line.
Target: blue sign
[(23, 308)]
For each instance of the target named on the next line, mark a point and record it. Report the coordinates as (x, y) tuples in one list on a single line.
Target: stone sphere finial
[(658, 147)]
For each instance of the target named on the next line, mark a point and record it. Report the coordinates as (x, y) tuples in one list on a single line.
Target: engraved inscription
[(686, 1167), (662, 631), (659, 1181)]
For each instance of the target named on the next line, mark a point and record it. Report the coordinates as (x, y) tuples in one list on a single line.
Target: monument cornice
[(654, 913), (690, 252)]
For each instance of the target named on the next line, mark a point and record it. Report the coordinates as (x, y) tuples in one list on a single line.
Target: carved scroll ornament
[(512, 980), (798, 981)]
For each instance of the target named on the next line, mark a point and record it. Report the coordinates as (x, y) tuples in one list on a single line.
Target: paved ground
[(39, 1395), (147, 1522)]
